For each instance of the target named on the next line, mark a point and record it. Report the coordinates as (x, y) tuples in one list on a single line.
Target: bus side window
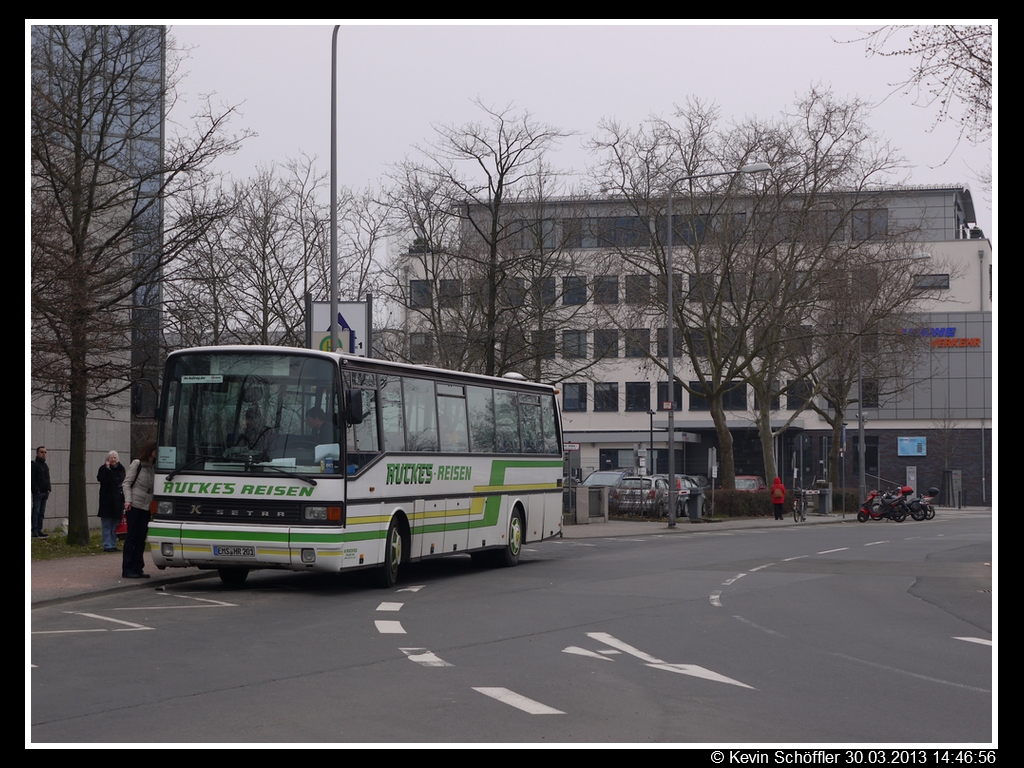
[(392, 413)]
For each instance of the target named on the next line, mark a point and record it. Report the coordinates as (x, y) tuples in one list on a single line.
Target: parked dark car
[(647, 496), (685, 487)]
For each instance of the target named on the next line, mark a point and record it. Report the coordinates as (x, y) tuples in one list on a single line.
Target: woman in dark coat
[(138, 493), (110, 477)]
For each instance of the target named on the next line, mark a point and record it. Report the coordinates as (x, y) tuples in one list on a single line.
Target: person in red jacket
[(778, 494)]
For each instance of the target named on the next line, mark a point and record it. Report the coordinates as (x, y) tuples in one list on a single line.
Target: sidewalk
[(62, 579)]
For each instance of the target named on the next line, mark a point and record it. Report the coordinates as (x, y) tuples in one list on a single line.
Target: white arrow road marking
[(978, 640), (131, 627), (513, 699), (738, 576), (683, 669), (390, 606), (411, 589), (389, 627), (584, 652), (424, 657), (716, 599), (695, 671), (209, 604)]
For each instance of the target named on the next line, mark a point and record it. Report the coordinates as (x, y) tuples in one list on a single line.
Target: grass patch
[(57, 546)]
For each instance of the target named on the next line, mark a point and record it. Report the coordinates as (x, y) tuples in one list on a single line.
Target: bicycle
[(799, 511)]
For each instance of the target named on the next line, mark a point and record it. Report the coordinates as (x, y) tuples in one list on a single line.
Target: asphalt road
[(872, 633)]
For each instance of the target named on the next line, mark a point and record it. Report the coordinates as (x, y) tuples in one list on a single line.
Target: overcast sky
[(395, 81)]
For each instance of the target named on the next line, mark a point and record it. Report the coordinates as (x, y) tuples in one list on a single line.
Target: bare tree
[(477, 173), (754, 254), (951, 73), (111, 206)]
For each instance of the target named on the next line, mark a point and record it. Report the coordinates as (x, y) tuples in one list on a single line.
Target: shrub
[(742, 503)]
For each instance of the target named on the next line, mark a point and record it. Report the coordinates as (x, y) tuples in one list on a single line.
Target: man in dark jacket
[(40, 492)]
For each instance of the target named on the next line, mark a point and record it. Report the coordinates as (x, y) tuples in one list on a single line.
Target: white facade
[(607, 404)]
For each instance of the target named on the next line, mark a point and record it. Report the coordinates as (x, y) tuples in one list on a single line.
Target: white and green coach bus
[(314, 461)]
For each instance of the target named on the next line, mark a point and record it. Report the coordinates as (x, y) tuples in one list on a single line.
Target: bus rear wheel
[(509, 554)]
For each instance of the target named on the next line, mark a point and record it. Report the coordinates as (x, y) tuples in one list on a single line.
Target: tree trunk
[(726, 460), (764, 431), (78, 512)]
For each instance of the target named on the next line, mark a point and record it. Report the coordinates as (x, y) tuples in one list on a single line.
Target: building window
[(574, 344), (638, 289), (677, 342), (677, 283), (419, 294), (536, 235), (574, 397), (871, 393), (544, 292), (931, 282), (574, 290), (606, 396), (697, 402), (449, 294), (663, 396), (797, 395), (544, 344), (735, 399), (638, 396), (513, 292), (870, 225), (870, 454), (606, 289), (606, 343), (421, 347), (638, 342)]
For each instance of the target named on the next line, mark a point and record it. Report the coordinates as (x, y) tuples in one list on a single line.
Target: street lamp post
[(650, 451), (670, 362)]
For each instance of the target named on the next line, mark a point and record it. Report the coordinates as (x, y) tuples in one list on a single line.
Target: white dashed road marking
[(513, 699), (424, 657)]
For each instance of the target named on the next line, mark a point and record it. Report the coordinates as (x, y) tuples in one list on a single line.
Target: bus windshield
[(230, 412)]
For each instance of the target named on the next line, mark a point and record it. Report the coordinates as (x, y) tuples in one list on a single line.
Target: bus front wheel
[(388, 574)]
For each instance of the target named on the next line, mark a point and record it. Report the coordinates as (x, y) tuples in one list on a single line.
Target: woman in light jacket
[(138, 494)]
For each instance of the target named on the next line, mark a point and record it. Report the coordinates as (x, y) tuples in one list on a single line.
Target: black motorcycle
[(921, 508)]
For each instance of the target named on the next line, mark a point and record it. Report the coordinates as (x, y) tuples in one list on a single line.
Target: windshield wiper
[(188, 464), (276, 468)]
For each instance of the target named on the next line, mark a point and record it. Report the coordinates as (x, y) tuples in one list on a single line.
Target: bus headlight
[(167, 550), (322, 514), (164, 507), (314, 513)]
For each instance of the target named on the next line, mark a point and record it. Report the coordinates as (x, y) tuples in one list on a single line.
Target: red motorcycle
[(891, 505)]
